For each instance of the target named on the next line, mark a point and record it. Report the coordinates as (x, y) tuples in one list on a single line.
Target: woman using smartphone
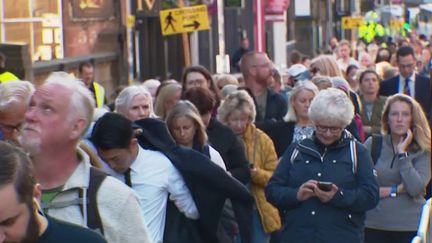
[(403, 170)]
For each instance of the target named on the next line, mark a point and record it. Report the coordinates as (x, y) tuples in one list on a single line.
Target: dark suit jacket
[(422, 91), (208, 184)]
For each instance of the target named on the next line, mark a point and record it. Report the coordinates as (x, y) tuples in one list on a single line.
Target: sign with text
[(352, 22), (182, 20)]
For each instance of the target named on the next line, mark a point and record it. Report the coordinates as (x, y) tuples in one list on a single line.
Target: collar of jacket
[(315, 144)]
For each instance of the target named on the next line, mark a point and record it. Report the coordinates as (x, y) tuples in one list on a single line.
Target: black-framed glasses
[(10, 128), (324, 129)]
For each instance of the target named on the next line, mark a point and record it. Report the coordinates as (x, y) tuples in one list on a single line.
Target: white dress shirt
[(216, 158), (153, 177)]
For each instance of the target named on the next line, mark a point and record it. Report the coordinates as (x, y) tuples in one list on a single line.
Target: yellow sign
[(396, 24), (130, 23), (181, 20), (352, 22)]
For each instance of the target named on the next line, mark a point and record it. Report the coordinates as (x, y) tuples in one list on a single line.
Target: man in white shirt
[(150, 173)]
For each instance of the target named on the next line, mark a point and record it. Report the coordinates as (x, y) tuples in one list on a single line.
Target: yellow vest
[(7, 76), (99, 94)]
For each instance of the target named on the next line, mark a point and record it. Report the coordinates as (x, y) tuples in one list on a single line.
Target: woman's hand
[(324, 196), (384, 191), (306, 190), (403, 144)]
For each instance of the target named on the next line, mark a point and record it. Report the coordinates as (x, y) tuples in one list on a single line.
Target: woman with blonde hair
[(403, 165), (187, 128), (325, 65), (296, 125), (167, 95), (238, 112)]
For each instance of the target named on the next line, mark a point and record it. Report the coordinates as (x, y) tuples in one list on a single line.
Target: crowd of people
[(328, 150)]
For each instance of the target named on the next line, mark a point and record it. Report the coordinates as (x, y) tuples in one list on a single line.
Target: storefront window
[(36, 23)]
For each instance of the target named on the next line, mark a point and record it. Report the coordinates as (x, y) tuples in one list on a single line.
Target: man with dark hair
[(257, 68), (209, 185), (5, 76), (238, 54), (408, 81), (20, 219), (86, 73), (149, 173)]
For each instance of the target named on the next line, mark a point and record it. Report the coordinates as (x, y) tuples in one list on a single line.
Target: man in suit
[(408, 82)]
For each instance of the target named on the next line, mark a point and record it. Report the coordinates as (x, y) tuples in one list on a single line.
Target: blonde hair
[(165, 92), (238, 100), (185, 108), (322, 82), (299, 86), (326, 65), (420, 127)]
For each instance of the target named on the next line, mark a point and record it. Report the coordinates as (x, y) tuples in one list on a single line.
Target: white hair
[(299, 86), (82, 102), (332, 104), (124, 99), (14, 92)]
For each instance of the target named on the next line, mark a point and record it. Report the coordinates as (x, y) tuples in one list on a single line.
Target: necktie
[(128, 177), (407, 90)]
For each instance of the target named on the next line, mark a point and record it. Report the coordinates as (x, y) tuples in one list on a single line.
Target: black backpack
[(94, 221)]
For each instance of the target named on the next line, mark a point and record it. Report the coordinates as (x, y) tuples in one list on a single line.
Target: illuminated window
[(36, 23)]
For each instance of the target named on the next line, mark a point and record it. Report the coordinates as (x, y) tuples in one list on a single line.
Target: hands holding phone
[(325, 191)]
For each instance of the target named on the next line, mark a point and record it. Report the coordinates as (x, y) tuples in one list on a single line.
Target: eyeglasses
[(324, 129), (10, 128)]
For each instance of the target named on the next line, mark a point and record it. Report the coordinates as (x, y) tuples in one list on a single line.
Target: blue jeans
[(258, 233)]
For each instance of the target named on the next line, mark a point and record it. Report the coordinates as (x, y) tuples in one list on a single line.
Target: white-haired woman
[(135, 103), (238, 112), (325, 184), (296, 125), (404, 169), (187, 128), (14, 102)]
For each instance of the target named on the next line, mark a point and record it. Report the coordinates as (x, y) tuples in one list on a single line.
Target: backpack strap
[(353, 150), (94, 221), (376, 147)]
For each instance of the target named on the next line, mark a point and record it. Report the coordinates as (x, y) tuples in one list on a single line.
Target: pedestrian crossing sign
[(352, 22), (182, 20)]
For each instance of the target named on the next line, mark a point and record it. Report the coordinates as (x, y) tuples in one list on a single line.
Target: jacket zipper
[(313, 150)]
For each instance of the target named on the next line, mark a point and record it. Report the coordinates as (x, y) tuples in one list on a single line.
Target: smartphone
[(325, 185)]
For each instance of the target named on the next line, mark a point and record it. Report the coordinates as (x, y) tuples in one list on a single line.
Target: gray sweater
[(400, 213)]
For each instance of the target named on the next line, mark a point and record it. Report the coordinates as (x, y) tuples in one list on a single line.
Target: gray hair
[(238, 100), (299, 86), (15, 92), (81, 101), (124, 99), (332, 104)]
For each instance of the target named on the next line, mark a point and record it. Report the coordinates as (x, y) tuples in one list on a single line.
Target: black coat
[(208, 184), (231, 148)]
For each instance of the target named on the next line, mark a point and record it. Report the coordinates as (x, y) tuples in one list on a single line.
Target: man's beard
[(33, 227), (32, 144)]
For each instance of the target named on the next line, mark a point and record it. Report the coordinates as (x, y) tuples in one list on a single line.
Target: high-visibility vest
[(99, 94), (7, 76)]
